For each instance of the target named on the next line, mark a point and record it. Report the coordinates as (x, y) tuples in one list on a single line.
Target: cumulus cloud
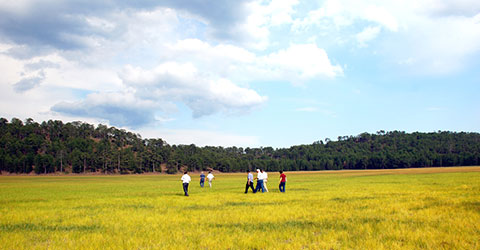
[(33, 74), (341, 13), (205, 94), (121, 109), (296, 63), (280, 12), (466, 8), (156, 91), (434, 37), (84, 37), (41, 64), (304, 61), (366, 35), (260, 16), (29, 82), (332, 13), (200, 49), (76, 25), (49, 24), (222, 18), (134, 63), (437, 45), (381, 16)]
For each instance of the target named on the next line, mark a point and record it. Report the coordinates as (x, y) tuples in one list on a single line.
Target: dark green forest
[(77, 147)]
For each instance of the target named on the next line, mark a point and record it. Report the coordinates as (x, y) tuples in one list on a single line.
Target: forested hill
[(54, 146)]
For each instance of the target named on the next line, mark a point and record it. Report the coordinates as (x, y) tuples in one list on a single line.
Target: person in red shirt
[(283, 181)]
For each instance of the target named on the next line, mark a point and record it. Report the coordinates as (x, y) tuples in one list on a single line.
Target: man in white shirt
[(259, 178), (210, 178), (265, 179), (186, 180)]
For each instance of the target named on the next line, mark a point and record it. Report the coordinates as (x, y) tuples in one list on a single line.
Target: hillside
[(54, 146)]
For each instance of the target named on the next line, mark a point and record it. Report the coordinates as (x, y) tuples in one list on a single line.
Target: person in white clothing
[(265, 179), (210, 178), (186, 180), (259, 181)]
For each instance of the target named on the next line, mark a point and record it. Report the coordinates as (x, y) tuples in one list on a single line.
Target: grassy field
[(435, 208)]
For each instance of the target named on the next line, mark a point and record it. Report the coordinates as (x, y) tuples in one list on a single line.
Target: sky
[(243, 73)]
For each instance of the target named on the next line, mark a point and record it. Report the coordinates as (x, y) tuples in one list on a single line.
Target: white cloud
[(35, 102), (382, 16), (215, 56), (332, 13), (301, 62), (29, 82), (427, 37), (149, 93), (101, 24), (119, 108), (280, 11), (438, 45), (466, 8), (204, 93), (296, 63), (10, 67), (340, 14), (20, 6), (366, 35), (262, 16), (83, 80), (56, 71)]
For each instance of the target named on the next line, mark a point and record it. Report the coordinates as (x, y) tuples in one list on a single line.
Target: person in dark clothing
[(249, 182), (202, 179)]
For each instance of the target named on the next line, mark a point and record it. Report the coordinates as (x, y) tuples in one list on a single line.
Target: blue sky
[(244, 73)]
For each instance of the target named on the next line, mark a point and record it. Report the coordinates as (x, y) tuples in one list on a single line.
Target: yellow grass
[(434, 208)]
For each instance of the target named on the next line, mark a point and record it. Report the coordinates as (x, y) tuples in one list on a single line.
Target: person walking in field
[(249, 182), (265, 179), (283, 181), (202, 179), (210, 178), (186, 180), (259, 181)]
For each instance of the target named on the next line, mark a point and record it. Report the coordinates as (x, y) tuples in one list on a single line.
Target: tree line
[(78, 147)]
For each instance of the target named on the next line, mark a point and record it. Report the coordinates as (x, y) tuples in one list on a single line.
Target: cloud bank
[(138, 63)]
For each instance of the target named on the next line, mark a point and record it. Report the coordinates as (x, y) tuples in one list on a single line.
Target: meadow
[(431, 208)]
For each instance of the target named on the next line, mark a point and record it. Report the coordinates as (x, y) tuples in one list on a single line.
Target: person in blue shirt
[(202, 179), (249, 182)]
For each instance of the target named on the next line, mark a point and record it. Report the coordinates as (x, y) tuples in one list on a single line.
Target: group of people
[(186, 179), (210, 178), (262, 179)]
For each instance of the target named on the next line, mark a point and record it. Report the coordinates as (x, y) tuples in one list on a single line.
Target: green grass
[(389, 209)]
